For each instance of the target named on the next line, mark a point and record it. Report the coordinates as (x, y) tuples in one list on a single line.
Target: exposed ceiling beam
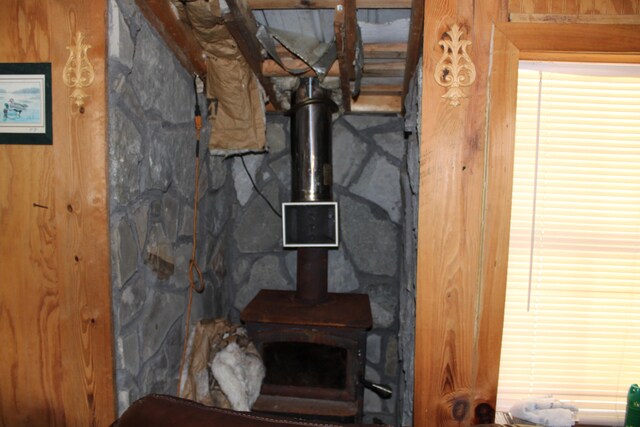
[(371, 51), (326, 4), (377, 104), (271, 68), (243, 28), (344, 28), (385, 51), (414, 45), (178, 36)]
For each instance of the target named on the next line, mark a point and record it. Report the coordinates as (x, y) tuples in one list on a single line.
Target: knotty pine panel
[(55, 315), (450, 223)]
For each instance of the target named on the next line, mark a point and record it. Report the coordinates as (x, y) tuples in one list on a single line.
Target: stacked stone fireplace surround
[(151, 146)]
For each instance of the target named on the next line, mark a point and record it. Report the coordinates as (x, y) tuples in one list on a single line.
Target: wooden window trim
[(512, 42)]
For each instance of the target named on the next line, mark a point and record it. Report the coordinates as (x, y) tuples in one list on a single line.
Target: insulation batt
[(240, 376), (237, 100), (222, 366)]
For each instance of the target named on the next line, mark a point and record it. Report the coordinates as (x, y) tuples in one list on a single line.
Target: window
[(572, 314)]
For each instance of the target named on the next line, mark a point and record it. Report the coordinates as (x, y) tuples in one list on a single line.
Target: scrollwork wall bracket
[(455, 70), (78, 72)]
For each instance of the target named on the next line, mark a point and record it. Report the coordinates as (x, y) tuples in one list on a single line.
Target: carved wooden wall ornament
[(78, 72), (454, 70)]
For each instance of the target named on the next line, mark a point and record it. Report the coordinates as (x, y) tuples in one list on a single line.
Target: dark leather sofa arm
[(158, 410)]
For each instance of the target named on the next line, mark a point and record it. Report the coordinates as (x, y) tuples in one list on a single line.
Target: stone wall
[(375, 184), (151, 152), (151, 186)]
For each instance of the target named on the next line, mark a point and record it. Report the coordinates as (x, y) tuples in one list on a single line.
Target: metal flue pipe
[(312, 176)]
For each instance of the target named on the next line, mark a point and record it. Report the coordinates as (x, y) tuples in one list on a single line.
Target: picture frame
[(25, 101)]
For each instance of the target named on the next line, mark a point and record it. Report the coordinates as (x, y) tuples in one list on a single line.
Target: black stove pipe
[(312, 176)]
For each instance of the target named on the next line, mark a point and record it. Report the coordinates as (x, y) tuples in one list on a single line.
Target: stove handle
[(382, 390)]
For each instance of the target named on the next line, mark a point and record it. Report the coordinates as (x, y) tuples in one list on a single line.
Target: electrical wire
[(258, 190)]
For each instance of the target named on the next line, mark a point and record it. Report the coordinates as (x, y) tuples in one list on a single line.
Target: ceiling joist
[(326, 4), (414, 45), (243, 28), (381, 60), (344, 27), (175, 33)]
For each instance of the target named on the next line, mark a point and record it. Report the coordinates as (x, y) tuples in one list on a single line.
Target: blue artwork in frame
[(25, 101)]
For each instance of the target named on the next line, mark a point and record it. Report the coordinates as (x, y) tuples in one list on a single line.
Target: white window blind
[(572, 315)]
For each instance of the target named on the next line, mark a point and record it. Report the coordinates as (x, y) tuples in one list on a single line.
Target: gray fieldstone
[(259, 229), (341, 274), (372, 243), (184, 172), (373, 348), (413, 165), (132, 300), (391, 358), (380, 183), (125, 155), (170, 216), (364, 122), (382, 317), (218, 169), (241, 182), (154, 376), (384, 303), (158, 171), (186, 221), (163, 311), (392, 142), (124, 94), (372, 402), (182, 257), (265, 274), (126, 255), (239, 270), (121, 45), (282, 168), (153, 63), (348, 153), (159, 252), (131, 353), (141, 221)]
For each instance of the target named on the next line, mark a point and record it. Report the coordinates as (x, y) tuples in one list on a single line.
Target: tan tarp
[(237, 111)]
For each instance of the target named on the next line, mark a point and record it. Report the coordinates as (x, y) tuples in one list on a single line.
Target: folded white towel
[(545, 411)]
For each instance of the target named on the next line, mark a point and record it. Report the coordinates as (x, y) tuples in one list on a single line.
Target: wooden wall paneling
[(81, 158), (496, 221), (29, 304), (444, 390), (450, 221), (55, 304)]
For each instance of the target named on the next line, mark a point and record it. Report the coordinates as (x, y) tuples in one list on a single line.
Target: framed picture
[(25, 100)]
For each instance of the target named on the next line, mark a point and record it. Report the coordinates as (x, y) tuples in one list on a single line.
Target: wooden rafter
[(243, 28), (176, 34), (371, 51), (271, 68), (414, 45), (326, 4), (344, 27)]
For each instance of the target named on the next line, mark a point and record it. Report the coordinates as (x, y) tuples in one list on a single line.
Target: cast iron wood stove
[(313, 342), (314, 354)]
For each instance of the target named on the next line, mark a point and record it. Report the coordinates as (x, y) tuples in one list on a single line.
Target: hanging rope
[(193, 264)]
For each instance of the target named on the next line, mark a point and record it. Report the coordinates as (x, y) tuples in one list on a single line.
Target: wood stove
[(313, 342), (314, 354)]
